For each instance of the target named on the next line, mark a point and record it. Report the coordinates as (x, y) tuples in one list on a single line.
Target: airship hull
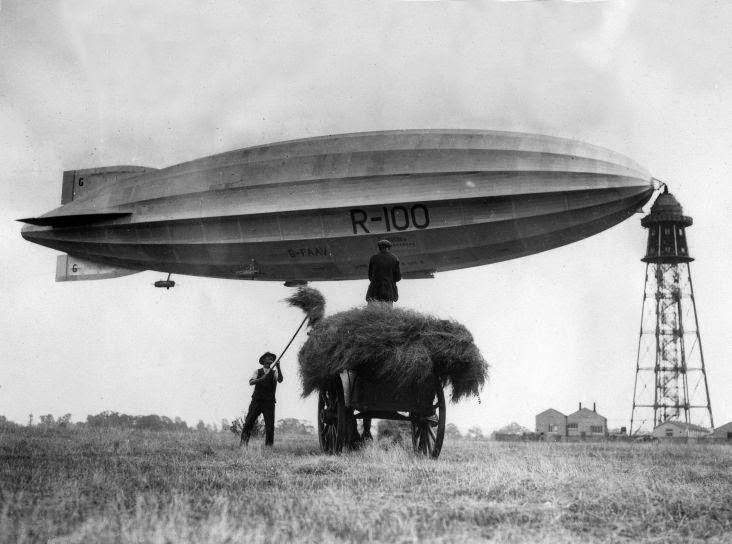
[(314, 209)]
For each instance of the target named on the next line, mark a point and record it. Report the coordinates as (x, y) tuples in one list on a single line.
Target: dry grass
[(392, 345), (82, 486)]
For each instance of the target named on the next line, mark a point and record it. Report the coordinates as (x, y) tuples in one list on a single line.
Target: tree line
[(153, 422), (402, 429), (290, 426)]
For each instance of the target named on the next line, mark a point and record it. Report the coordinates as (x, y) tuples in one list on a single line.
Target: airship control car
[(313, 209)]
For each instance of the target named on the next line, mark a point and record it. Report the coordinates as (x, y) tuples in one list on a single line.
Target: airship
[(313, 209)]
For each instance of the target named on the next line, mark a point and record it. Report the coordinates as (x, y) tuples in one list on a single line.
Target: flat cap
[(267, 355), (383, 243)]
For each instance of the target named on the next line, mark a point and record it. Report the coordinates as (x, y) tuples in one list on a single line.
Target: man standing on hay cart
[(265, 382), (384, 273)]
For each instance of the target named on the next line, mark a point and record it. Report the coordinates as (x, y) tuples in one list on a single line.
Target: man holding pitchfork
[(265, 379), (265, 382)]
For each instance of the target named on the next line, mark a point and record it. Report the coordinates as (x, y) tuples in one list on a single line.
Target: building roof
[(551, 411), (683, 426), (727, 427), (584, 412)]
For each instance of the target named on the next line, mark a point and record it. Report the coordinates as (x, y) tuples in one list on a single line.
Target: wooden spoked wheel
[(428, 429), (332, 419)]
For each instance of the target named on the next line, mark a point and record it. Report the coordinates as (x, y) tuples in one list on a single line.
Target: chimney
[(593, 407), (580, 406)]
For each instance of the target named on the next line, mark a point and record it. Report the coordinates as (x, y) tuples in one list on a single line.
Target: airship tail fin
[(78, 182), (70, 268)]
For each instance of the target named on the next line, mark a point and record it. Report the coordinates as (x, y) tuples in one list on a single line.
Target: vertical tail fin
[(77, 182), (70, 268)]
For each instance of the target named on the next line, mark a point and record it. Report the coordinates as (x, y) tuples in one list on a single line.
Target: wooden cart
[(350, 397)]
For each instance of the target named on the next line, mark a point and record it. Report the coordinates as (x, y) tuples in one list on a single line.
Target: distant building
[(724, 432), (679, 429), (583, 423), (586, 423), (551, 422)]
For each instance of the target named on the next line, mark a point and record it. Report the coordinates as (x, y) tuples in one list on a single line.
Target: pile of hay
[(399, 346), (310, 301)]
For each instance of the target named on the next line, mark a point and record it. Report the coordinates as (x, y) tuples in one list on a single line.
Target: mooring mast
[(670, 377)]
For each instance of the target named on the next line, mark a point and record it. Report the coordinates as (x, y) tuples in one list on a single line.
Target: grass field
[(83, 486)]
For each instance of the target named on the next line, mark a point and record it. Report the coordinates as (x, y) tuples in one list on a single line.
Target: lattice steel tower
[(670, 379)]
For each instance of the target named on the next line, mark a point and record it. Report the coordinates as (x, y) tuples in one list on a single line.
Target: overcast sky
[(96, 83)]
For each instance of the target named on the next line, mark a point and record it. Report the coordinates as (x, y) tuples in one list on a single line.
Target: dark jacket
[(384, 274)]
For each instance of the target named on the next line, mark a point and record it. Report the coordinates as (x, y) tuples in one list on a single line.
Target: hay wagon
[(351, 396)]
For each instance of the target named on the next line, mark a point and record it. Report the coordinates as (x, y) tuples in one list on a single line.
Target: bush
[(238, 424)]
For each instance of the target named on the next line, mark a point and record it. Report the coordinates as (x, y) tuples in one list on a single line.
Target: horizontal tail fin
[(70, 268), (72, 220)]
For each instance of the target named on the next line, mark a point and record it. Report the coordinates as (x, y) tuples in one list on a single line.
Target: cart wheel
[(332, 419), (428, 430)]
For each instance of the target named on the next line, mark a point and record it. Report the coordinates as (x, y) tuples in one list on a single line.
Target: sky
[(95, 83)]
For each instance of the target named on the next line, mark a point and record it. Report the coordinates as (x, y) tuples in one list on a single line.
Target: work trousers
[(267, 409)]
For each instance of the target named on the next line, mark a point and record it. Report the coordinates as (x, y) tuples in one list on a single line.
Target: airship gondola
[(313, 209)]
